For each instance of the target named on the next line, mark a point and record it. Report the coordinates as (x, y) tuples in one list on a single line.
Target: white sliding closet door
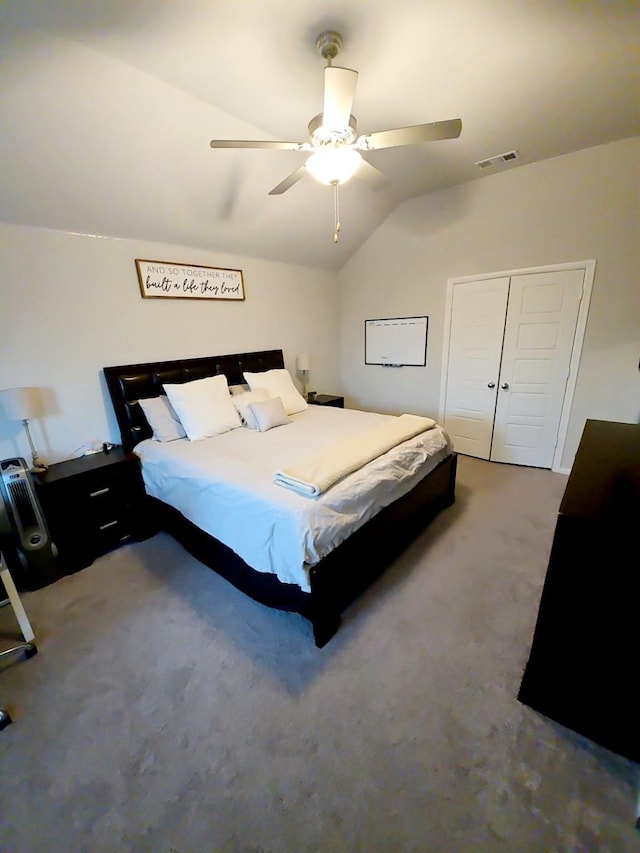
[(510, 347)]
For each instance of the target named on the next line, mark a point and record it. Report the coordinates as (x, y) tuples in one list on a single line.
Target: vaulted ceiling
[(107, 108)]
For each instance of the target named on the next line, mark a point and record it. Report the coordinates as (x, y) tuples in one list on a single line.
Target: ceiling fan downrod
[(329, 44)]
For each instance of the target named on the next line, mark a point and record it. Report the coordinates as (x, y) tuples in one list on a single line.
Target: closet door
[(478, 313), (538, 341)]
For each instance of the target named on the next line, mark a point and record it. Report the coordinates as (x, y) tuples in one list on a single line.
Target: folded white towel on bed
[(320, 471)]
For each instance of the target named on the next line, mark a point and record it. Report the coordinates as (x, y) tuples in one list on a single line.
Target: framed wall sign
[(166, 280)]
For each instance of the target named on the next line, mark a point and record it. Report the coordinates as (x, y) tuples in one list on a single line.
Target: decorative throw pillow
[(243, 402), (204, 406), (269, 414), (164, 422), (278, 383)]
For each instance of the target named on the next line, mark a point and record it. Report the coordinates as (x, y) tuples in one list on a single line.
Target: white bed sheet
[(224, 485)]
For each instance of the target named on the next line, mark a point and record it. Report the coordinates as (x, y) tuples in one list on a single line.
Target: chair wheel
[(5, 719), (30, 650)]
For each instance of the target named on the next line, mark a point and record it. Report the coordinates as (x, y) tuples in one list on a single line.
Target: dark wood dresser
[(584, 655)]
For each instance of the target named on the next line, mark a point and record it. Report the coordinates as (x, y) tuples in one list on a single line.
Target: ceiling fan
[(334, 146)]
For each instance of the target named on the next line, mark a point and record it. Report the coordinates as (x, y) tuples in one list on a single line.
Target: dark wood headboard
[(129, 383)]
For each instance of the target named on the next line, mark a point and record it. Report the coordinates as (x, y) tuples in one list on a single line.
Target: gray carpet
[(167, 712)]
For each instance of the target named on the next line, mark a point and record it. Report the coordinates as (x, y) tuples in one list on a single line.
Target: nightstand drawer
[(110, 517), (105, 494), (110, 534)]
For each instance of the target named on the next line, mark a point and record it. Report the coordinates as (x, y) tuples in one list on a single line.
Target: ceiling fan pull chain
[(336, 211)]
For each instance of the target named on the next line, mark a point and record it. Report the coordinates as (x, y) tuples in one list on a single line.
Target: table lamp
[(303, 369), (22, 404)]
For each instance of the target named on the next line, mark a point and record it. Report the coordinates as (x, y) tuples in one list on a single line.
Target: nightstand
[(327, 400), (93, 504)]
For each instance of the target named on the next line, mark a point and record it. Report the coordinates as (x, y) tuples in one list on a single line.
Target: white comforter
[(224, 485)]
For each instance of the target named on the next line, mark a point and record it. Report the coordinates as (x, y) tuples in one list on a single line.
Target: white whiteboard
[(396, 341)]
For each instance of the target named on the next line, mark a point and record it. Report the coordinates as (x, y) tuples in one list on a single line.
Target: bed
[(319, 574)]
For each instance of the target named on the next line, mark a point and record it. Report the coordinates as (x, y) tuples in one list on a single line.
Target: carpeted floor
[(166, 712)]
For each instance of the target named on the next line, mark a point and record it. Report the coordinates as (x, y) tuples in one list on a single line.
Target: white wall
[(576, 207), (71, 304)]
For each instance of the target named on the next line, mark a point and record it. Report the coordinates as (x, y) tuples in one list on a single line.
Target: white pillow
[(278, 383), (165, 424), (270, 413), (204, 406), (242, 402)]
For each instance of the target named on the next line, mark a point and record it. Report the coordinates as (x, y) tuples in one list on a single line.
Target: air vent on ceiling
[(498, 160)]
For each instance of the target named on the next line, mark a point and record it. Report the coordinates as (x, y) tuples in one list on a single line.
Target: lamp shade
[(303, 361), (20, 404)]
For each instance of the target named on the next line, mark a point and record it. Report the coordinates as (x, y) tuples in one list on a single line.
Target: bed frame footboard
[(344, 574)]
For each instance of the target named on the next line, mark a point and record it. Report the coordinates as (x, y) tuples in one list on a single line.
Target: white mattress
[(224, 485)]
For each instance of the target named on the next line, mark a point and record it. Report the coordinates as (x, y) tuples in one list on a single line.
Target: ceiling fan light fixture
[(333, 165), (320, 135)]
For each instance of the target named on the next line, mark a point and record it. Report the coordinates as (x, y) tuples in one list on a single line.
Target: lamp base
[(38, 466)]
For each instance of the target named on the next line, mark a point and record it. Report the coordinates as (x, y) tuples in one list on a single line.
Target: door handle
[(505, 386), (491, 384)]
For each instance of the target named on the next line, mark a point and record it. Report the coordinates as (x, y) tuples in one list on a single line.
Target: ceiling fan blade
[(371, 175), (339, 91), (289, 181), (256, 143), (413, 135)]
